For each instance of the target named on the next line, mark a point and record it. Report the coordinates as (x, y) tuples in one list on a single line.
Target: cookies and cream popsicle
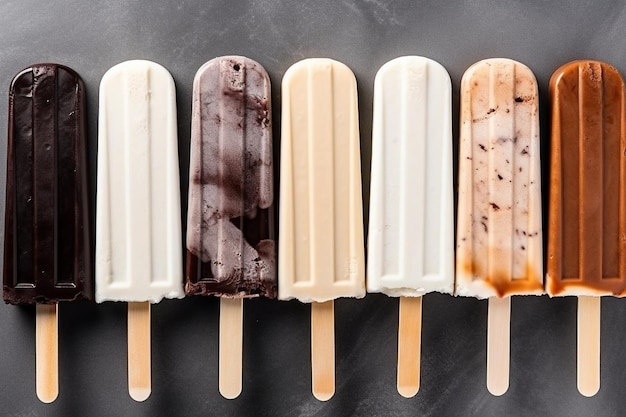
[(321, 248), (47, 250), (499, 236), (587, 223), (138, 224), (230, 235), (411, 222), (499, 229)]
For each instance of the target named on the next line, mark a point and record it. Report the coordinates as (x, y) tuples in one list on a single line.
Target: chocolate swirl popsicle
[(230, 234)]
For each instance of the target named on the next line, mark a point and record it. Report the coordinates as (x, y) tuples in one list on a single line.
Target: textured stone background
[(92, 36)]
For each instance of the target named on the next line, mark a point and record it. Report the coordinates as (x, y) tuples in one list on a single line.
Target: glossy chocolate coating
[(47, 245), (230, 234)]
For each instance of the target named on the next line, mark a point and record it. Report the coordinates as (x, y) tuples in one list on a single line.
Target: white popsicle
[(411, 229), (138, 225)]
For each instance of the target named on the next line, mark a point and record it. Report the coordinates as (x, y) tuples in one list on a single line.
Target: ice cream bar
[(499, 233), (230, 235), (46, 246), (321, 250), (321, 253), (411, 232), (138, 225), (586, 245)]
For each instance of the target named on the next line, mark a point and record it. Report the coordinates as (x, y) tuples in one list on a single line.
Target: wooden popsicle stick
[(588, 358), (409, 345), (498, 345), (323, 349), (231, 342), (139, 355), (47, 352)]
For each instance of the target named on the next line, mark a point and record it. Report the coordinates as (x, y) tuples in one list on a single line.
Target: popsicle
[(321, 248), (499, 233), (46, 241), (138, 224), (411, 224), (587, 222), (230, 231)]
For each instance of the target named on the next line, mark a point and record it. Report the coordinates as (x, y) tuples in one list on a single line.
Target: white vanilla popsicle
[(138, 236), (321, 251), (411, 232), (499, 233), (411, 229), (138, 224)]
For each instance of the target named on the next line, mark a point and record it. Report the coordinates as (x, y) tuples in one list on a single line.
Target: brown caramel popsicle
[(586, 251), (587, 222)]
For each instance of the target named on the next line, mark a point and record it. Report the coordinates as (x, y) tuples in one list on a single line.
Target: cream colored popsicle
[(138, 225), (411, 228), (321, 250), (499, 233)]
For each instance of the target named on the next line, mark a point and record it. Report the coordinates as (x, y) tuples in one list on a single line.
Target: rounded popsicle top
[(248, 71), (158, 72), (341, 70), (47, 68), (589, 68), (520, 72), (418, 66)]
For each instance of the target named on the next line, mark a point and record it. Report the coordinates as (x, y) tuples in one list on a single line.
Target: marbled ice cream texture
[(230, 194)]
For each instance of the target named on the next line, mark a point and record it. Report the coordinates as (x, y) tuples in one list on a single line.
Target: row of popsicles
[(230, 245)]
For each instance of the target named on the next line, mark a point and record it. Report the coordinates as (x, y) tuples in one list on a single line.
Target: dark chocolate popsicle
[(230, 236), (46, 247)]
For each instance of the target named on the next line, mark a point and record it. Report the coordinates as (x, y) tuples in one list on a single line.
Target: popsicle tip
[(408, 391), (588, 389), (139, 394), (323, 394), (230, 392), (47, 396), (498, 388)]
